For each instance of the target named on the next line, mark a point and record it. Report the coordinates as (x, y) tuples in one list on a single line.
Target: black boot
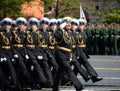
[(81, 88), (87, 79), (55, 89), (96, 79)]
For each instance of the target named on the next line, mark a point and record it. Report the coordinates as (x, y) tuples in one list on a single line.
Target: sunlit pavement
[(108, 67)]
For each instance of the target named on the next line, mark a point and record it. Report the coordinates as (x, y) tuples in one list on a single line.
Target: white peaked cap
[(44, 19), (53, 21), (63, 22), (21, 19), (59, 20), (82, 21), (75, 21), (66, 19), (13, 22), (33, 19), (9, 20)]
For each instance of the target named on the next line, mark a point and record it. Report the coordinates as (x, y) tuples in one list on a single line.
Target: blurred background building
[(95, 10)]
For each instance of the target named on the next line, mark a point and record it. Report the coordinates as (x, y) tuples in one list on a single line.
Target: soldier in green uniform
[(95, 36), (89, 42), (112, 40), (116, 40), (103, 35), (118, 36)]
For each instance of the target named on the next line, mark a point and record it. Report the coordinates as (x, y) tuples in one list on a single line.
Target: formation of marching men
[(39, 54)]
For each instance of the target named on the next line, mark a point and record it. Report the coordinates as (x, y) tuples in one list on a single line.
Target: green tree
[(11, 8), (48, 2), (64, 7), (113, 15), (69, 8)]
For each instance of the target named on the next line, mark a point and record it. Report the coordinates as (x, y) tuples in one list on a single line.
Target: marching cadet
[(59, 22), (18, 39), (14, 26), (77, 67), (34, 57), (52, 45), (82, 54), (63, 54), (6, 54), (43, 44)]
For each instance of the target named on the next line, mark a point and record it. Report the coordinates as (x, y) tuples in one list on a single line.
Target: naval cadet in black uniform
[(18, 39), (82, 54), (43, 44), (6, 54), (52, 45), (77, 68), (63, 54), (34, 57)]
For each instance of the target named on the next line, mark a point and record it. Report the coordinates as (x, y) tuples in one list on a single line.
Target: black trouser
[(4, 84), (47, 71), (52, 62), (83, 60), (21, 69), (88, 67), (22, 72), (38, 70), (10, 71), (51, 59), (78, 68), (65, 66)]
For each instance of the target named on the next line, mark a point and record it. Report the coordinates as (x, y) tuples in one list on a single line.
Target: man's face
[(6, 26), (33, 26), (44, 26), (53, 27), (81, 27), (68, 25), (74, 27), (21, 26)]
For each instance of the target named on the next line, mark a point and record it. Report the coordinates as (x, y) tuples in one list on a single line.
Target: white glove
[(32, 67), (62, 25), (70, 59), (78, 57), (27, 57), (40, 57), (13, 60), (3, 59), (16, 56)]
